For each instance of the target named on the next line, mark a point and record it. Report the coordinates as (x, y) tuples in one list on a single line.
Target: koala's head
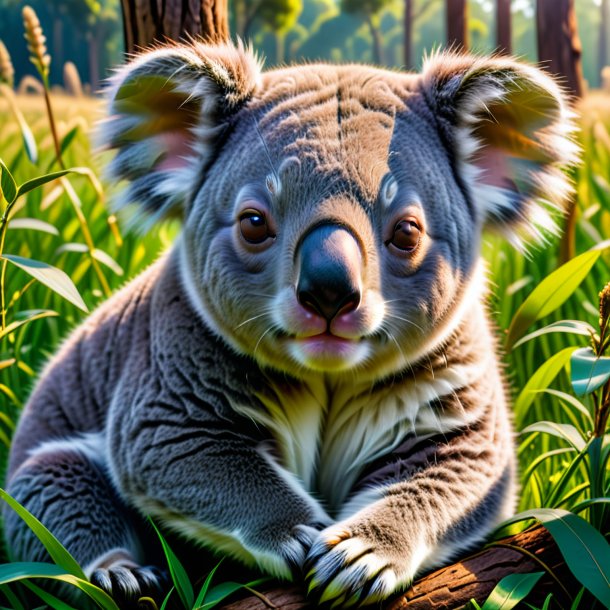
[(333, 214)]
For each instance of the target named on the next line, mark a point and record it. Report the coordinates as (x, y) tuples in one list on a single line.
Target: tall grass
[(66, 223)]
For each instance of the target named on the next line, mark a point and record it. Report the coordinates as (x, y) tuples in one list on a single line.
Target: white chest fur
[(327, 433)]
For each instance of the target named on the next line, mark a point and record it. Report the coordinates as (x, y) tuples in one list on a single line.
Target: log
[(452, 587)]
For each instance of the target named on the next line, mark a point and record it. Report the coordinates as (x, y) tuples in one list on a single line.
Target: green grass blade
[(574, 327), (12, 598), (26, 187), (584, 549), (206, 585), (52, 277), (177, 571), (511, 590), (7, 183), (540, 380), (18, 571), (33, 224), (551, 293), (565, 431), (587, 371), (47, 598), (56, 550), (221, 591), (35, 314)]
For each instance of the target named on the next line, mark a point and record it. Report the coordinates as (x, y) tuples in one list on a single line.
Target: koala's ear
[(167, 110), (509, 129)]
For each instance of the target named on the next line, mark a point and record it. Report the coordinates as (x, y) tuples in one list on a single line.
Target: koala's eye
[(254, 227), (406, 235)]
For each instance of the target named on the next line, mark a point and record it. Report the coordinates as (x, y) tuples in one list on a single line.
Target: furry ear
[(510, 130), (167, 109)]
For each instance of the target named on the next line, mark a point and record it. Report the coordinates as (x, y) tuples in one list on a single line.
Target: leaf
[(588, 371), (26, 187), (17, 571), (551, 293), (50, 276), (177, 571), (7, 183), (565, 431), (106, 259), (206, 585), (224, 589), (33, 224), (67, 139), (46, 597), (33, 314), (29, 143), (571, 400), (575, 327), (5, 364), (584, 549), (511, 590), (56, 550), (541, 380)]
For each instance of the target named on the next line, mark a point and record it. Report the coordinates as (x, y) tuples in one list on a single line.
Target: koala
[(307, 382)]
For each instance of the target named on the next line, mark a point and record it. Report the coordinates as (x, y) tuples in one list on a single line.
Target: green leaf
[(588, 371), (50, 276), (31, 315), (177, 571), (584, 549), (47, 598), (571, 400), (541, 380), (67, 139), (26, 187), (224, 589), (575, 327), (206, 585), (551, 293), (7, 183), (12, 598), (29, 143), (511, 590), (33, 224), (16, 571), (565, 431), (65, 562), (107, 260)]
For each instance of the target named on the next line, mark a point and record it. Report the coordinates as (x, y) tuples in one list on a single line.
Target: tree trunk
[(408, 30), (559, 47), (376, 36), (147, 21), (457, 24), (503, 26), (454, 586), (603, 37)]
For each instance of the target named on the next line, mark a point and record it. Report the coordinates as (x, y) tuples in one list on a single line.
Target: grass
[(563, 448)]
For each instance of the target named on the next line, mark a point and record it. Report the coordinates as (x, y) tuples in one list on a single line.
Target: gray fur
[(200, 400)]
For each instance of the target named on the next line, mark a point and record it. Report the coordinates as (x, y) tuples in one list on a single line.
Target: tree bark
[(408, 34), (457, 24), (454, 586), (376, 36), (559, 47), (503, 27), (603, 37), (149, 21)]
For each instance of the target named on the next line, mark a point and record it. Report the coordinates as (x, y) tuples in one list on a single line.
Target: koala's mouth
[(328, 352)]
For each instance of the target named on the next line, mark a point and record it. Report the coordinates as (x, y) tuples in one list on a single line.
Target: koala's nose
[(330, 265)]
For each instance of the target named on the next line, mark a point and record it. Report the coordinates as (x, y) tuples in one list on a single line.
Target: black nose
[(329, 271)]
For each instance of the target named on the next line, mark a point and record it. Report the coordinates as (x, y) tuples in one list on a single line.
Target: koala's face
[(338, 238), (333, 214)]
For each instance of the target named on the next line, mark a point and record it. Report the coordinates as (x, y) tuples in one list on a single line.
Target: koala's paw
[(348, 570), (126, 584)]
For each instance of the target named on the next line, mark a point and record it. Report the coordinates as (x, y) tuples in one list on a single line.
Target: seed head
[(36, 41), (604, 305), (7, 72)]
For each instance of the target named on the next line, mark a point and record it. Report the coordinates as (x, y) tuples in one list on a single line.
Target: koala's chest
[(327, 435)]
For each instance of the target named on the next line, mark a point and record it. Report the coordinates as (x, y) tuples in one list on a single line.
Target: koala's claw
[(127, 584), (344, 571)]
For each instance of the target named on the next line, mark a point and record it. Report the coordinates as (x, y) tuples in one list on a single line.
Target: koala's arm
[(210, 481), (442, 496)]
